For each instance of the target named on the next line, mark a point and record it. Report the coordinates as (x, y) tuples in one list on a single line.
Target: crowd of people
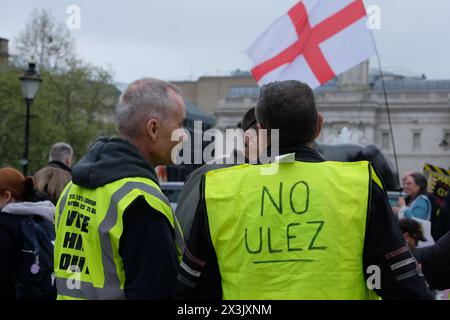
[(310, 230), (27, 206), (425, 227)]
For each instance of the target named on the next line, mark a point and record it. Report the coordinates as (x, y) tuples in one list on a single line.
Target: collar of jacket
[(302, 153), (60, 165)]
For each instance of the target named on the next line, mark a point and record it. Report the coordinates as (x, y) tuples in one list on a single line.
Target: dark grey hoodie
[(147, 244), (108, 160)]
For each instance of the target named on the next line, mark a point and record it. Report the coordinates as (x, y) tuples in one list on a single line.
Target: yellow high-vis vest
[(88, 226), (295, 234)]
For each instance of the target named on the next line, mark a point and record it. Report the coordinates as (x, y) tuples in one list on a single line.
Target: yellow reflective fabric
[(88, 229), (298, 234)]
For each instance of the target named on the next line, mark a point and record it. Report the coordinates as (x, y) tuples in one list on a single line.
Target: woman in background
[(50, 183), (417, 204), (26, 235)]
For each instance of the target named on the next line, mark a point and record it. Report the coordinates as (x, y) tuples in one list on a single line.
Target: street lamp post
[(30, 81)]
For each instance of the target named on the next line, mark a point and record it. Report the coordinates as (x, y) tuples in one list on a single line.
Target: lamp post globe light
[(30, 81)]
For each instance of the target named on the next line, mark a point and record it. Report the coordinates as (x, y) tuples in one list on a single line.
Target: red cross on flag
[(315, 41)]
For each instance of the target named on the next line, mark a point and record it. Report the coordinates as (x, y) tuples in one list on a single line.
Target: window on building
[(416, 140), (385, 140)]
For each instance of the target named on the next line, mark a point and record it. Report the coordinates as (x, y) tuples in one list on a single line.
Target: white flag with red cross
[(315, 41)]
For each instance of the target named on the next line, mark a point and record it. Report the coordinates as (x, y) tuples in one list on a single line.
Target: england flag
[(315, 41)]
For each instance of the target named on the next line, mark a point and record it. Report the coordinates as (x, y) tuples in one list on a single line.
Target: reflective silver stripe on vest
[(151, 190), (69, 288), (62, 203), (179, 239), (111, 289)]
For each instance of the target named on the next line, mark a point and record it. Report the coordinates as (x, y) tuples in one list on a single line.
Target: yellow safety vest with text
[(297, 233), (88, 226)]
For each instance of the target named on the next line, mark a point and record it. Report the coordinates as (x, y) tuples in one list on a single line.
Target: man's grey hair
[(61, 151), (143, 99)]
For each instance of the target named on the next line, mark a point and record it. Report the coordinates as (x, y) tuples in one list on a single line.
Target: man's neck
[(142, 148)]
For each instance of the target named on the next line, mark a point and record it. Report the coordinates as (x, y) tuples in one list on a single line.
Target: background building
[(354, 108), (208, 90)]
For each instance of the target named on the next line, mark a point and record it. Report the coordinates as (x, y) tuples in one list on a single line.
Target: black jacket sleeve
[(199, 276), (148, 251), (10, 246), (186, 205), (385, 248), (443, 221), (435, 262)]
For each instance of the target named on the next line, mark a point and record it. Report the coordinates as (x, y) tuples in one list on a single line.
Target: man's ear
[(153, 129), (319, 125)]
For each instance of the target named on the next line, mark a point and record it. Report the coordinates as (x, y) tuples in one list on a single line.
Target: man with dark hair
[(297, 228), (412, 232), (190, 194)]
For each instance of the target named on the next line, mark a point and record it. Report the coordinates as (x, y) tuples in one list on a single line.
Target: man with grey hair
[(61, 156), (115, 205)]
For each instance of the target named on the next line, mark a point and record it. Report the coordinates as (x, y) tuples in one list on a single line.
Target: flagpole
[(383, 84)]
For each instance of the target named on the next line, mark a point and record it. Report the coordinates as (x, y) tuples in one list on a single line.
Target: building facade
[(355, 111), (207, 91)]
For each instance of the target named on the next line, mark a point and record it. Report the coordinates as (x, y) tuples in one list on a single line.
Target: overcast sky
[(181, 39)]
